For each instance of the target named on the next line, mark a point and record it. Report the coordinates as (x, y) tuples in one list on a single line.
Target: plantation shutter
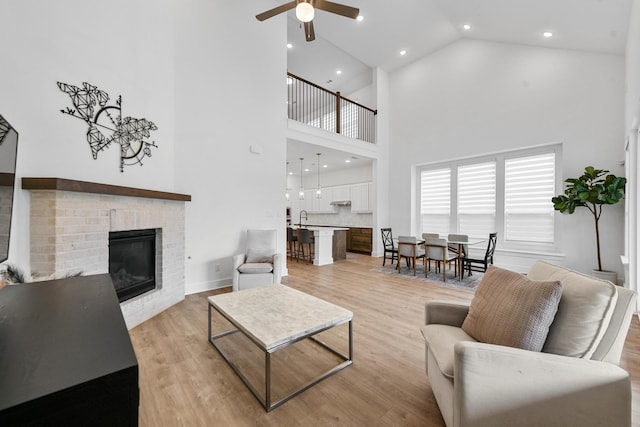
[(435, 200), (529, 187), (477, 199)]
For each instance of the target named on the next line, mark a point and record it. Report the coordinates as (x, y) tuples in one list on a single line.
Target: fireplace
[(132, 262)]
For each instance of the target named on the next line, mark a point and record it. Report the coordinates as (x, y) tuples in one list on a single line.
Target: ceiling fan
[(305, 12)]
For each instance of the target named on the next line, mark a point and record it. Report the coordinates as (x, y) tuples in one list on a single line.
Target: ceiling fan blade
[(309, 33), (340, 9), (276, 10)]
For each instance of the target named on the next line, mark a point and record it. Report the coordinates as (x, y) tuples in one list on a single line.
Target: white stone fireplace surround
[(70, 225)]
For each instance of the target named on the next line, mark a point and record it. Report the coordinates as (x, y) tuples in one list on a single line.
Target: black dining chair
[(389, 246), (481, 265)]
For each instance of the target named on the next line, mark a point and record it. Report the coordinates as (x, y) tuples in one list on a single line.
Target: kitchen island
[(330, 243)]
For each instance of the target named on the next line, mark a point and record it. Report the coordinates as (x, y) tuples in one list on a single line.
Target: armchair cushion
[(441, 340), (509, 309), (255, 268), (260, 255), (584, 312)]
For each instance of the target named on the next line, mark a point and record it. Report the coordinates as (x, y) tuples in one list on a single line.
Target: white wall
[(123, 47), (207, 73), (475, 97), (632, 62), (230, 94), (632, 108)]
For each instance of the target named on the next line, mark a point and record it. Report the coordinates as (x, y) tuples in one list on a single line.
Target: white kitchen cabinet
[(321, 205), (324, 203), (341, 193), (308, 203), (361, 197)]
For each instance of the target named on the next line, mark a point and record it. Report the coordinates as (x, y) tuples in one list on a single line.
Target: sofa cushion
[(510, 309), (255, 268), (440, 340), (260, 255), (584, 311)]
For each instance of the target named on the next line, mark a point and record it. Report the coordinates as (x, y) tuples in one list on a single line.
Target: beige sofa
[(478, 384)]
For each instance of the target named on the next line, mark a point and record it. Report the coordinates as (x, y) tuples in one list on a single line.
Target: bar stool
[(305, 238), (292, 239)]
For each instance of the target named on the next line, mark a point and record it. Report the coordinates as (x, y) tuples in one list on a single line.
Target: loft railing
[(316, 106)]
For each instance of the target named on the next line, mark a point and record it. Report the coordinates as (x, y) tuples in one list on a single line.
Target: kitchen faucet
[(306, 217)]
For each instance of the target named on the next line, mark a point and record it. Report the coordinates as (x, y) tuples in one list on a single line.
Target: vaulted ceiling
[(421, 27)]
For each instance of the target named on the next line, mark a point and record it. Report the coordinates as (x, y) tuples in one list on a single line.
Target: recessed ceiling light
[(338, 72), (289, 45), (290, 173), (348, 161), (547, 34), (360, 18), (325, 166), (306, 170), (403, 52), (466, 27)]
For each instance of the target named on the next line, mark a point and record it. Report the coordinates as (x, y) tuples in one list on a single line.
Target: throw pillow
[(260, 255), (509, 309)]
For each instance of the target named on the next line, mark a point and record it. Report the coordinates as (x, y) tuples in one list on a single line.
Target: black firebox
[(132, 262)]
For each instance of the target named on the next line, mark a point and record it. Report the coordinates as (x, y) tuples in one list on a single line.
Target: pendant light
[(301, 191), (318, 189), (287, 196)]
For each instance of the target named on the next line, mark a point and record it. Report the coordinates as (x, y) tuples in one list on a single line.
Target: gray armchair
[(260, 265), (573, 381)]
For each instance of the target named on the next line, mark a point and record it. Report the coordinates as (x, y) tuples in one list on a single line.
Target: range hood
[(341, 203)]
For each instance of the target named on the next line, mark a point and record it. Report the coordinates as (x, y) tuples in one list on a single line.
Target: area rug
[(469, 282)]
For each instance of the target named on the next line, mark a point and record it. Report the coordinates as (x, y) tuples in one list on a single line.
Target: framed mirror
[(8, 154)]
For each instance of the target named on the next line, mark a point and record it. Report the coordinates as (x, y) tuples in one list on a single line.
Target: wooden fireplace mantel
[(62, 184)]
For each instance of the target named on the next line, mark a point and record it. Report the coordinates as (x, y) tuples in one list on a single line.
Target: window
[(477, 199), (508, 193), (435, 206), (529, 185)]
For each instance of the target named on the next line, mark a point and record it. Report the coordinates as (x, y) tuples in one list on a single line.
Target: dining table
[(469, 242), (461, 243)]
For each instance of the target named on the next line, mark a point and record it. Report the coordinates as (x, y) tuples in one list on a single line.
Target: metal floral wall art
[(106, 124)]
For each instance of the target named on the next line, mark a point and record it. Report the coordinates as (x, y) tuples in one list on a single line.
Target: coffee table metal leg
[(267, 382), (267, 402)]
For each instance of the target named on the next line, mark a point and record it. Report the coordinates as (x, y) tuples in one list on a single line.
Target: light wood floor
[(185, 382)]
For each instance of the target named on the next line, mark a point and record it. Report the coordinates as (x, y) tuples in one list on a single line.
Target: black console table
[(65, 355)]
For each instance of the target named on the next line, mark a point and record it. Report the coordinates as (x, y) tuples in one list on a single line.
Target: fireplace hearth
[(132, 262)]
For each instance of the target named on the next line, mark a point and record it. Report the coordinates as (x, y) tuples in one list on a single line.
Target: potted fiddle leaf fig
[(592, 190)]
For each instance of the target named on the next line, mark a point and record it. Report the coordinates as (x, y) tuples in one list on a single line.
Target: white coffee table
[(274, 317)]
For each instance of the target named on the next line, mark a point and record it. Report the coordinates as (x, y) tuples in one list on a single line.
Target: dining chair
[(481, 264), (409, 249), (389, 246), (457, 248), (437, 250), (426, 236)]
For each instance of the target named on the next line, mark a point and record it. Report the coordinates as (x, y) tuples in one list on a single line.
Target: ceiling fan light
[(304, 12)]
